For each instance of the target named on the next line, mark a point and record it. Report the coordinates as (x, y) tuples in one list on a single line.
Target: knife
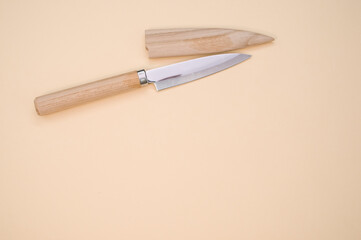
[(163, 77)]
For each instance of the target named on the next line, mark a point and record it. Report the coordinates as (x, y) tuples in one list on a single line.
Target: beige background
[(269, 149)]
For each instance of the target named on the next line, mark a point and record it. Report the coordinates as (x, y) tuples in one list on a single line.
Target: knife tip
[(245, 56)]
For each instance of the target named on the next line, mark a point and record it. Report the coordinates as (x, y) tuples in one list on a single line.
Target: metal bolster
[(142, 77)]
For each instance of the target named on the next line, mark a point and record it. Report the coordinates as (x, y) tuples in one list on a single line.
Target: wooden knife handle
[(64, 99)]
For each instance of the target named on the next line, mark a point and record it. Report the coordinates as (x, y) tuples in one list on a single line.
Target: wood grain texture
[(64, 99), (193, 41)]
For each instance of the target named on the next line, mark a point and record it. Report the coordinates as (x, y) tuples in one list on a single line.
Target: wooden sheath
[(194, 41), (64, 99)]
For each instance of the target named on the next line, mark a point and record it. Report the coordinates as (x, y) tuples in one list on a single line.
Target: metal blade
[(183, 72)]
